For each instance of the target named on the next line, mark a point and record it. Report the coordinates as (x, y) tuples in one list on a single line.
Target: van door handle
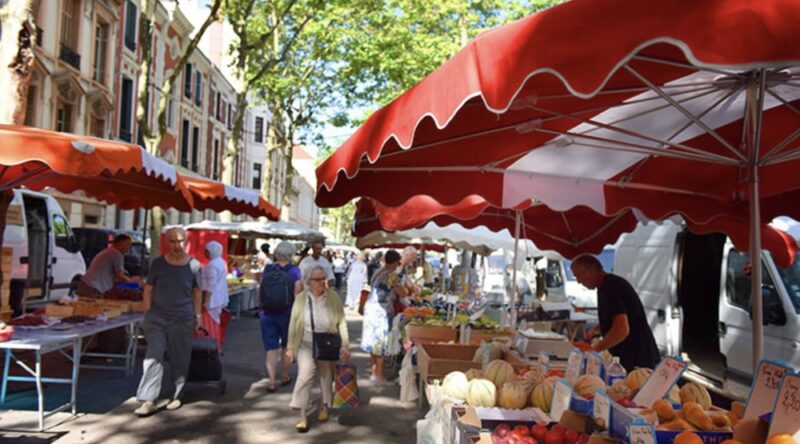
[(55, 259), (722, 329)]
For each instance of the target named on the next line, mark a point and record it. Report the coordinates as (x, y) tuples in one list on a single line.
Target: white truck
[(696, 293), (46, 263)]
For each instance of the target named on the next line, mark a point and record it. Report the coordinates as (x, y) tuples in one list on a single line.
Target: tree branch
[(263, 38), (267, 66)]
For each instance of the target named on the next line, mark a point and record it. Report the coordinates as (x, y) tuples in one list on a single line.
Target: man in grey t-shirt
[(107, 268)]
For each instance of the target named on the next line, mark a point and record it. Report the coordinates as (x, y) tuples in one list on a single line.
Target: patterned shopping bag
[(346, 387)]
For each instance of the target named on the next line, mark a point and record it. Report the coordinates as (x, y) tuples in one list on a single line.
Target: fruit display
[(124, 294), (494, 350), (419, 312), (28, 321), (481, 393), (586, 385), (542, 395), (513, 395), (538, 433), (474, 373), (455, 385), (693, 392), (499, 372), (636, 378)]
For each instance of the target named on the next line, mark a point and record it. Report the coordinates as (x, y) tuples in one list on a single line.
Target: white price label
[(451, 299), (544, 362), (666, 374), (594, 364), (786, 415), (602, 409), (765, 389), (574, 365), (562, 395), (639, 433)]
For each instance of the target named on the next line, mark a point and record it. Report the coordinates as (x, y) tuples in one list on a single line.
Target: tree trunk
[(15, 20)]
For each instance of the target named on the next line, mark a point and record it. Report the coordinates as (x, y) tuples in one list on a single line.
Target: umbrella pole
[(755, 99), (514, 271), (144, 240)]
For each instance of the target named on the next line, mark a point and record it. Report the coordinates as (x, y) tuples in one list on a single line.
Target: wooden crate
[(426, 334), (59, 311), (88, 310), (437, 360), (138, 307), (476, 336)]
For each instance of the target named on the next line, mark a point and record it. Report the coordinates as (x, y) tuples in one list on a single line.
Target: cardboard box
[(138, 307), (581, 405), (436, 361), (88, 310), (751, 431), (468, 422), (59, 311), (668, 436), (621, 418), (112, 313), (426, 334), (531, 346)]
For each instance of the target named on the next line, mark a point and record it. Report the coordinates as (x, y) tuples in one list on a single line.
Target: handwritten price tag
[(574, 365), (765, 388), (594, 364), (562, 395), (641, 433), (544, 362), (658, 384), (786, 415), (602, 409)]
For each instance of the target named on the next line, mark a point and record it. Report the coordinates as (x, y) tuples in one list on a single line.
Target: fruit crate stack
[(5, 287)]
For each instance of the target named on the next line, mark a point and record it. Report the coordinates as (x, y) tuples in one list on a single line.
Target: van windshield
[(791, 279)]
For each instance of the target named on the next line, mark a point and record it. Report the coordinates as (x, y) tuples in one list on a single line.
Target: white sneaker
[(175, 404), (146, 409)]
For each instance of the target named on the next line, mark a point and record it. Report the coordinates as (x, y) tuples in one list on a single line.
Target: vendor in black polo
[(623, 323)]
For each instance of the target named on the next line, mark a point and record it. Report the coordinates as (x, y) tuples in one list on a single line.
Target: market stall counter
[(60, 337)]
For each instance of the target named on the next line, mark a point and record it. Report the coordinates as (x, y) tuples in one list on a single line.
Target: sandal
[(271, 388), (286, 381), (302, 426)]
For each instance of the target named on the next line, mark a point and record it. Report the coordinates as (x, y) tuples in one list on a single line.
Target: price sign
[(594, 364), (641, 432), (658, 384), (574, 365), (786, 415), (602, 409), (765, 388), (544, 362), (562, 395)]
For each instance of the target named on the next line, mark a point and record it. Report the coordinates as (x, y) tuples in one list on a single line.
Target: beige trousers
[(307, 368)]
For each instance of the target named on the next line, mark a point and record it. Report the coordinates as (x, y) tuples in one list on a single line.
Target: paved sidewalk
[(247, 413)]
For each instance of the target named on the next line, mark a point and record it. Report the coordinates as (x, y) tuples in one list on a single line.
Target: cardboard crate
[(426, 334), (88, 310), (477, 336), (668, 436), (470, 424), (436, 361), (138, 307)]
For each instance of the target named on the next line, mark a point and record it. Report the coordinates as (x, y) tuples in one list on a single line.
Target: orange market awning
[(115, 172), (212, 195)]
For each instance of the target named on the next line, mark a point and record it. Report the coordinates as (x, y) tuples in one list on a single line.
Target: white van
[(46, 261), (696, 295)]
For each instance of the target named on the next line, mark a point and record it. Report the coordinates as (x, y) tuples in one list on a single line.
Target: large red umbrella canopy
[(117, 173), (662, 106), (212, 195), (570, 233)]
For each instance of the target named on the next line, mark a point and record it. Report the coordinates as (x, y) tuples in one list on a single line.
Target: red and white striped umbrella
[(669, 107)]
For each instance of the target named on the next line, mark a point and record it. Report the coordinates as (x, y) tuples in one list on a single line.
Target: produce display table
[(59, 338), (243, 298)]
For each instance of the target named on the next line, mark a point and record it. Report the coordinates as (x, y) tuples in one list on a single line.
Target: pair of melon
[(478, 392)]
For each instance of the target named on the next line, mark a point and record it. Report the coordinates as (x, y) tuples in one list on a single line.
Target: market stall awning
[(212, 195), (117, 173), (278, 230)]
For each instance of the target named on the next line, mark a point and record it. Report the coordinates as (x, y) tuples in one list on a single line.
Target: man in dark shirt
[(623, 323)]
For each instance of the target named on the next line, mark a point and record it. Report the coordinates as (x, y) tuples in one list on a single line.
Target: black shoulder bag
[(326, 346)]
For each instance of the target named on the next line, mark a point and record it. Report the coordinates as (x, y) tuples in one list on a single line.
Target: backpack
[(276, 291)]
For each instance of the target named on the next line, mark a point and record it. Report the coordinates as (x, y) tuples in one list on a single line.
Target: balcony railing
[(69, 56)]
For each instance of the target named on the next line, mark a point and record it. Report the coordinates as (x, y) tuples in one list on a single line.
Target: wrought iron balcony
[(69, 56)]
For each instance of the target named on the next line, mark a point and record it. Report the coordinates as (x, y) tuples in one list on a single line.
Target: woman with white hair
[(356, 280), (215, 290), (280, 276), (318, 309)]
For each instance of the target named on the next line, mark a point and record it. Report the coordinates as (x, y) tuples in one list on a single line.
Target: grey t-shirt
[(172, 288), (103, 269)]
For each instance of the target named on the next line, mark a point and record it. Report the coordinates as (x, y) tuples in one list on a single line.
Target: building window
[(64, 116), (131, 14), (30, 106), (198, 88), (212, 97), (185, 144), (229, 116), (126, 110), (195, 144), (259, 130), (171, 109), (70, 20), (100, 51), (215, 161), (187, 81), (257, 176), (217, 111)]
